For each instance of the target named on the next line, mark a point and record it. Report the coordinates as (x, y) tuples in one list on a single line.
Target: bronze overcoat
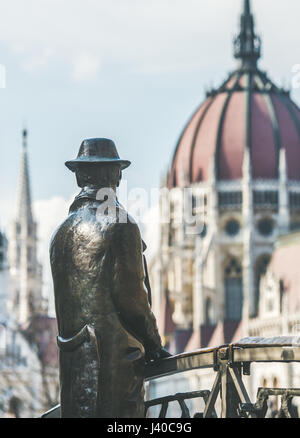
[(104, 319)]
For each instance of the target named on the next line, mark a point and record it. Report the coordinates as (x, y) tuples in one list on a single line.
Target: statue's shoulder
[(123, 217), (125, 234), (125, 222), (62, 230)]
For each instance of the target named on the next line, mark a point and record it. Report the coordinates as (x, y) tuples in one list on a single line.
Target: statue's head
[(98, 164)]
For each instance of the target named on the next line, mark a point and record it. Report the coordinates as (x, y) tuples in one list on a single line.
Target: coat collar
[(87, 195)]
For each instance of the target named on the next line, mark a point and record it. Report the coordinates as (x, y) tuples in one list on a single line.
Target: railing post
[(230, 398)]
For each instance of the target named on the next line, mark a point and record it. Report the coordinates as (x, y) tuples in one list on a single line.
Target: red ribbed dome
[(247, 111)]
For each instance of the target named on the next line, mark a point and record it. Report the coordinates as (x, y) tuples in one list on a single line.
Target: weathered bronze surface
[(106, 326)]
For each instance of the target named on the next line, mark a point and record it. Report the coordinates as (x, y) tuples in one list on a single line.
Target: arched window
[(208, 312), (233, 290), (2, 339), (17, 298), (281, 289), (260, 270), (18, 261)]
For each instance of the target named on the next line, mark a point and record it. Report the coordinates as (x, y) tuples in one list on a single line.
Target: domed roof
[(247, 111)]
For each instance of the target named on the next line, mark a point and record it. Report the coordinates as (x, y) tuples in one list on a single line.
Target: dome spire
[(247, 45), (247, 7)]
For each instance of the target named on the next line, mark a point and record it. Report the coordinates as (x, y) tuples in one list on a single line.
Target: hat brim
[(73, 164)]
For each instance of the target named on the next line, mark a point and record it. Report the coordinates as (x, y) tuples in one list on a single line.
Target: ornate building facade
[(239, 156)]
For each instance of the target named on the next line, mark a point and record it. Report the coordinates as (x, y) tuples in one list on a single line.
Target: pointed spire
[(24, 213), (247, 7), (25, 138), (247, 45)]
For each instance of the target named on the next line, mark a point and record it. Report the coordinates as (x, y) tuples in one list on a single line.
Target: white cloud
[(38, 60), (147, 36), (86, 67), (49, 214), (150, 226), (6, 210)]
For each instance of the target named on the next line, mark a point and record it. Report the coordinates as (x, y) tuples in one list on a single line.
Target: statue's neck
[(94, 189), (96, 194)]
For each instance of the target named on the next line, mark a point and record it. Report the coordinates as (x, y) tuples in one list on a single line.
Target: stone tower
[(3, 278), (25, 291)]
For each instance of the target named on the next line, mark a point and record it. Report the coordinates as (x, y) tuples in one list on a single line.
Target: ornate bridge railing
[(229, 363)]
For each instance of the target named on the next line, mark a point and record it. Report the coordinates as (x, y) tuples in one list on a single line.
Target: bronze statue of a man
[(106, 327)]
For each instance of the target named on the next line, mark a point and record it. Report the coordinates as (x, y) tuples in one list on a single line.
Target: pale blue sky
[(131, 70)]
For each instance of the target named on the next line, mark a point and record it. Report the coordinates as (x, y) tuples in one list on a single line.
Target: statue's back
[(81, 263)]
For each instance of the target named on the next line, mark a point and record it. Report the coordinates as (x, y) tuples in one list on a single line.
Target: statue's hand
[(163, 353), (160, 354)]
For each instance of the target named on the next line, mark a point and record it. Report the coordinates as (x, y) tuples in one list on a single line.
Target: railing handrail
[(242, 353), (256, 351)]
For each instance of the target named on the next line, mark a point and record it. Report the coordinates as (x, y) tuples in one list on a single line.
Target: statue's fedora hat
[(97, 151)]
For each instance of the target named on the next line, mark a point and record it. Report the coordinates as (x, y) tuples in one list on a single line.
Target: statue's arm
[(129, 292)]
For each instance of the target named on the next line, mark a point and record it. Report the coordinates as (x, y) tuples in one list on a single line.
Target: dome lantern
[(247, 45)]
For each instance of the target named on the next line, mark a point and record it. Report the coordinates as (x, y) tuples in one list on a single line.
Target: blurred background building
[(236, 275), (28, 352)]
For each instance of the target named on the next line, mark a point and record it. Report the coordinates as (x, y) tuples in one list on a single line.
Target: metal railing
[(229, 363)]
